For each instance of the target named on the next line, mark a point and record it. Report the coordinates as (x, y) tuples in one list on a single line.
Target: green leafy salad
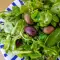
[(33, 30)]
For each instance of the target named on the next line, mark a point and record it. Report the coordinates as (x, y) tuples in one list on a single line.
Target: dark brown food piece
[(18, 42), (30, 30)]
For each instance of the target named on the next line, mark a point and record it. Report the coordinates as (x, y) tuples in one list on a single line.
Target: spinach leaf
[(53, 38)]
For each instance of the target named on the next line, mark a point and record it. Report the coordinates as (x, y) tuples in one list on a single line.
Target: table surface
[(3, 5), (1, 56)]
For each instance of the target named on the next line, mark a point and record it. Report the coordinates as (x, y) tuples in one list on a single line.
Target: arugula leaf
[(56, 8), (8, 27), (51, 51), (15, 11), (6, 42), (45, 18), (55, 1), (53, 38), (53, 23), (55, 18), (35, 15), (35, 46), (23, 9), (35, 55), (20, 27), (12, 45), (42, 36)]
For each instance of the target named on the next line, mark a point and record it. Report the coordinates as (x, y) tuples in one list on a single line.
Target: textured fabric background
[(1, 56), (4, 4)]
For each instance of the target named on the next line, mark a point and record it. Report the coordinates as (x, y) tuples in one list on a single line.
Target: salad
[(32, 31)]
